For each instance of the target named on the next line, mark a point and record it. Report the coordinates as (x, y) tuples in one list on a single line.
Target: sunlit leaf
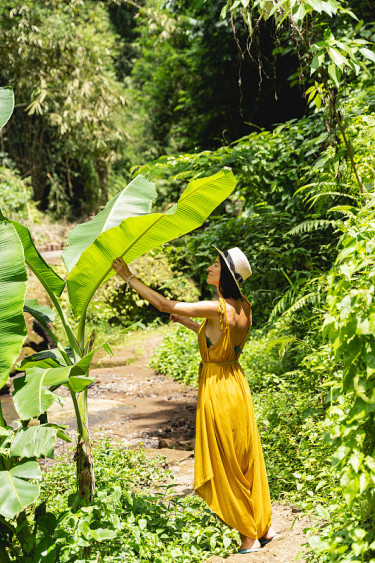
[(35, 441), (6, 105), (368, 54), (136, 199), (36, 263), (137, 235), (41, 313), (15, 492), (334, 74), (13, 281), (32, 398)]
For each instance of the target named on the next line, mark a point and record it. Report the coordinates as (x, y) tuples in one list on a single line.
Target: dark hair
[(227, 285)]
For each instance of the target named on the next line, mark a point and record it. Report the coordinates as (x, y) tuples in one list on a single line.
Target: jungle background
[(178, 90)]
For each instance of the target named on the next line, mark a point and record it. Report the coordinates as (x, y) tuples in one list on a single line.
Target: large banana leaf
[(30, 396), (6, 105), (15, 492), (35, 441), (136, 199), (41, 313), (137, 235), (44, 359), (13, 280), (51, 281)]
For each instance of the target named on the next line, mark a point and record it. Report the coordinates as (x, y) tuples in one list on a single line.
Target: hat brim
[(229, 268)]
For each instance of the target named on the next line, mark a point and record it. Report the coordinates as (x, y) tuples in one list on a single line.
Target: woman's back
[(239, 322)]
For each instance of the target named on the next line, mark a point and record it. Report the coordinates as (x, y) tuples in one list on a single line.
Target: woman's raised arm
[(207, 309)]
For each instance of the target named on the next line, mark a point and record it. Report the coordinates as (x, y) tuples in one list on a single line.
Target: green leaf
[(299, 13), (334, 74), (322, 512), (101, 534), (41, 313), (46, 551), (315, 5), (79, 383), (368, 54), (338, 59), (13, 281), (134, 200), (36, 441), (6, 105), (329, 7), (142, 523), (277, 6), (15, 492), (349, 12), (137, 235), (45, 359), (37, 264), (315, 64), (30, 396)]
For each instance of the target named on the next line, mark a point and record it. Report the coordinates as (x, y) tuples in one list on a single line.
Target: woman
[(230, 474)]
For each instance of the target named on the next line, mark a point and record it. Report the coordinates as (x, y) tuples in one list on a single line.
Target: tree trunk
[(85, 470), (83, 454)]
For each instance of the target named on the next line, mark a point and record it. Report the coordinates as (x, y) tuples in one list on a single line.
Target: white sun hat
[(237, 263)]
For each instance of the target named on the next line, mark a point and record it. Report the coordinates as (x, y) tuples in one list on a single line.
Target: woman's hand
[(121, 268), (177, 319)]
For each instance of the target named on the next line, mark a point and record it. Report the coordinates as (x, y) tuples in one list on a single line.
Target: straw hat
[(237, 263)]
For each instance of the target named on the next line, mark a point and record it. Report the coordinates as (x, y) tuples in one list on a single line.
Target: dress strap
[(223, 319), (251, 322)]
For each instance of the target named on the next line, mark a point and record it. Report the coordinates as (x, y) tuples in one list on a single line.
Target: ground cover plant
[(134, 515)]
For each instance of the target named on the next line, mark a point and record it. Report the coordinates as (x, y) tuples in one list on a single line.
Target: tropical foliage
[(181, 91)]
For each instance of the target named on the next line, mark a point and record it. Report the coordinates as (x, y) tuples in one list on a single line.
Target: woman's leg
[(270, 534), (248, 543)]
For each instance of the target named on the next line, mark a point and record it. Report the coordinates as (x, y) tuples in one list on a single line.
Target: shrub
[(16, 194)]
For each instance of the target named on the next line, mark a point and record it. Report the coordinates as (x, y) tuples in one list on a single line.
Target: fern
[(308, 226), (346, 210), (318, 285), (282, 303), (314, 298), (314, 198), (285, 341)]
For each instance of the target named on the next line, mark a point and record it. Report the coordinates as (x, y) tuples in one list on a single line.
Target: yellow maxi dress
[(230, 473)]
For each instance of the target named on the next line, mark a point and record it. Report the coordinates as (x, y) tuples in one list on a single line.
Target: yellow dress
[(230, 473)]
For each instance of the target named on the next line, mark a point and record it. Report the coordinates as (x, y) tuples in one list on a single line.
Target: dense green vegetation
[(135, 514), (282, 93)]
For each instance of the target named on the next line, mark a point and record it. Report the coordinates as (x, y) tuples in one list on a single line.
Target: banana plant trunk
[(83, 454)]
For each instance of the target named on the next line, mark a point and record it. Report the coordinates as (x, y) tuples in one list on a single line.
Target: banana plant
[(128, 228)]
